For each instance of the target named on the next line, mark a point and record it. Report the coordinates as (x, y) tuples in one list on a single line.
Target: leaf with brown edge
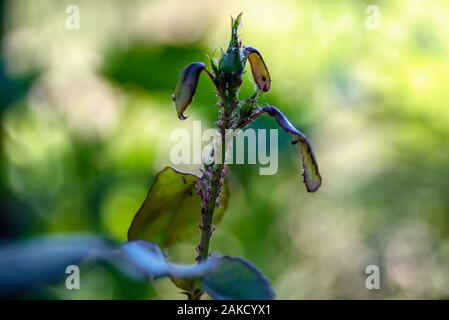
[(310, 171), (312, 177), (172, 209), (186, 87), (258, 68)]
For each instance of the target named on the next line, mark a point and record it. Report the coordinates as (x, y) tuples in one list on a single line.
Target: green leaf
[(186, 87), (237, 279), (235, 26), (258, 68), (172, 209), (237, 23)]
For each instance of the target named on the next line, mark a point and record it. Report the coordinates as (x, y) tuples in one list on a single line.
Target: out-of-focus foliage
[(86, 118), (40, 261)]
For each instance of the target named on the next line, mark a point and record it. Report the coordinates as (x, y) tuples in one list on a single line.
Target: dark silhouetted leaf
[(186, 87), (172, 209), (237, 279), (258, 68)]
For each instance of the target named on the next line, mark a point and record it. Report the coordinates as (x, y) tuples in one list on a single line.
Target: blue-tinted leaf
[(43, 260), (237, 279), (283, 122), (149, 258)]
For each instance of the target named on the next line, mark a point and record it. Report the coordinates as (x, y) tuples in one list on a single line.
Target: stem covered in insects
[(214, 174)]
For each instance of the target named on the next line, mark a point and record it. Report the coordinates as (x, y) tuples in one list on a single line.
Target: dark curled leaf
[(258, 68), (186, 87), (171, 210), (43, 260), (235, 279), (311, 174), (283, 122)]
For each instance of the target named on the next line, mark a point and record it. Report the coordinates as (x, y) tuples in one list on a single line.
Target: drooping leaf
[(312, 177), (237, 279), (172, 209), (283, 121), (40, 261), (310, 171), (258, 68), (186, 87)]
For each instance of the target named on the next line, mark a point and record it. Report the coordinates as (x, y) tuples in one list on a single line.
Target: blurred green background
[(85, 119)]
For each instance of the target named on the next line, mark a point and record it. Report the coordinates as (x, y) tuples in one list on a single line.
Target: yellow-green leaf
[(312, 178), (172, 209), (258, 68)]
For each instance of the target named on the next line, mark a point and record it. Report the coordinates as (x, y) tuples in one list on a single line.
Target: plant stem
[(215, 172), (208, 216)]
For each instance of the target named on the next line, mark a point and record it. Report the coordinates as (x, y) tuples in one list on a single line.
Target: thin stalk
[(208, 216), (214, 174), (229, 102)]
